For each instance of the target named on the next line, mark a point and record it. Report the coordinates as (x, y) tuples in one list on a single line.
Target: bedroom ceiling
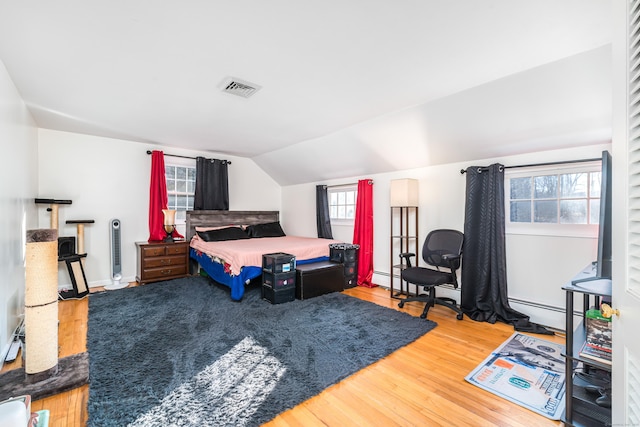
[(347, 88)]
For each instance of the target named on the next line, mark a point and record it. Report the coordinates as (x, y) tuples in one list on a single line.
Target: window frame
[(180, 163), (549, 229), (342, 189)]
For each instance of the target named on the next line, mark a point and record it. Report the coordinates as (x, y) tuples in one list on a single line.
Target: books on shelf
[(594, 353), (598, 330), (597, 345)]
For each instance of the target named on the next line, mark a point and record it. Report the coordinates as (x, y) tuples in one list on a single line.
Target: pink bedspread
[(248, 252)]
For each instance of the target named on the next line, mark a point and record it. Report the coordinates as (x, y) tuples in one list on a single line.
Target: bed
[(232, 261)]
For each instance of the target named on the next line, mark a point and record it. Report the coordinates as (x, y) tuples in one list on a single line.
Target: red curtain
[(363, 232), (158, 199)]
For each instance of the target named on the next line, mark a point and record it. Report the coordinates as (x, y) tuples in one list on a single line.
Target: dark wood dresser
[(158, 261)]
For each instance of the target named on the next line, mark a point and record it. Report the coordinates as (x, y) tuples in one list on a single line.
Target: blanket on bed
[(248, 252)]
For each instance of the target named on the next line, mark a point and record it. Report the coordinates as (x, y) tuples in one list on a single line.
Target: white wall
[(18, 188), (109, 178), (537, 266)]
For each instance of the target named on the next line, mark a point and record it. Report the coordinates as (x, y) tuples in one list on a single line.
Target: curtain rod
[(463, 171), (185, 157), (353, 184)]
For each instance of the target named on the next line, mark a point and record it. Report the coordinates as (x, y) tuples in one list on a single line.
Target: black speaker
[(66, 247)]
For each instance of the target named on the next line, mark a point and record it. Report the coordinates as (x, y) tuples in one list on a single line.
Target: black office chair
[(442, 249)]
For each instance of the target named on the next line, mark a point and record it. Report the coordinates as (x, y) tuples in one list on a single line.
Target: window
[(564, 200), (181, 186), (342, 203)]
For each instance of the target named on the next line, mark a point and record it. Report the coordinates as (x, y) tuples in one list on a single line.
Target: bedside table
[(159, 261)]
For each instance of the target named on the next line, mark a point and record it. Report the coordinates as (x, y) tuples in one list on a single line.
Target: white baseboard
[(101, 283), (95, 284)]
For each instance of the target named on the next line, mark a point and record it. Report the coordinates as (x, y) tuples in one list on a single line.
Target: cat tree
[(43, 373)]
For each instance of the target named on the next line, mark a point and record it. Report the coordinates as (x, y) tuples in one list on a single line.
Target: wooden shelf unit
[(404, 238)]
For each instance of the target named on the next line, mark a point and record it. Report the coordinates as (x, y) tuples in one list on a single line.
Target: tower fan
[(116, 260)]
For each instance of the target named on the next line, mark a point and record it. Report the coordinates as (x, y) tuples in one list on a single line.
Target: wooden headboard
[(222, 218)]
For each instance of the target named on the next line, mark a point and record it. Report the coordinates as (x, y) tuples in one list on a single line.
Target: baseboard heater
[(538, 305)]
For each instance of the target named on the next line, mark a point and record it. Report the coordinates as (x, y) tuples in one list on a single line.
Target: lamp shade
[(169, 216), (404, 192)]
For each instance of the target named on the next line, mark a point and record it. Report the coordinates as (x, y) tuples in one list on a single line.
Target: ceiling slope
[(554, 106)]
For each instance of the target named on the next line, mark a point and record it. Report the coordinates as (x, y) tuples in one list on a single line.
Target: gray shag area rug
[(181, 353)]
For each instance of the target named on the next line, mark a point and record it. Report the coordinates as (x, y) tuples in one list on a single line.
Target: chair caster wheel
[(423, 316), (459, 316), (401, 304)]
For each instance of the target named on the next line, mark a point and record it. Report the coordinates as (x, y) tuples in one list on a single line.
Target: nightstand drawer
[(162, 250), (164, 273), (163, 261), (152, 251), (177, 249)]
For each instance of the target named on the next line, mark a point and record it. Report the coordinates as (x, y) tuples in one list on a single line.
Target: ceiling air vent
[(239, 87)]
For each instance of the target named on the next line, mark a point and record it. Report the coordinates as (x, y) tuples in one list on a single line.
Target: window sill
[(342, 222), (563, 230)]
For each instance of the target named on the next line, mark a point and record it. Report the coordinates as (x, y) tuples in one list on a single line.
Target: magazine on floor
[(528, 371)]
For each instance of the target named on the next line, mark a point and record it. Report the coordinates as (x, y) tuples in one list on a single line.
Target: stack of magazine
[(597, 345)]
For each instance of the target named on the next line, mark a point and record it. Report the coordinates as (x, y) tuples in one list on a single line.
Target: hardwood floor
[(421, 384)]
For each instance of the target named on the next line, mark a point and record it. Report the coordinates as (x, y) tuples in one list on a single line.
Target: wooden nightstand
[(161, 261)]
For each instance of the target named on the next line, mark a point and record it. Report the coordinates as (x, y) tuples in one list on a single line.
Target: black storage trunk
[(347, 254), (277, 296), (279, 281), (318, 278), (278, 263)]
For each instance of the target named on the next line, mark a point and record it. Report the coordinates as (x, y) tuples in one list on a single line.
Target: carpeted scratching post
[(42, 375), (41, 304)]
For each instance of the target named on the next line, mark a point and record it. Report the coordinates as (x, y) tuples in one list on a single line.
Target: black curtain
[(323, 220), (212, 185), (484, 294)]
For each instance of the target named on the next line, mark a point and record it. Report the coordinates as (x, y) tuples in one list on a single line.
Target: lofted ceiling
[(348, 88)]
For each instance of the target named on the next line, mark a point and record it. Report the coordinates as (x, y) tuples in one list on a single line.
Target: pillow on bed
[(220, 227), (222, 234), (270, 229)]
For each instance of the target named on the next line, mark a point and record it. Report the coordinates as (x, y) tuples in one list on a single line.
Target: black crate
[(278, 296), (279, 281), (347, 254), (343, 252), (279, 262)]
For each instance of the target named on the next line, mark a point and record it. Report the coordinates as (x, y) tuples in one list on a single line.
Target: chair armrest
[(407, 258), (453, 260), (454, 263)]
